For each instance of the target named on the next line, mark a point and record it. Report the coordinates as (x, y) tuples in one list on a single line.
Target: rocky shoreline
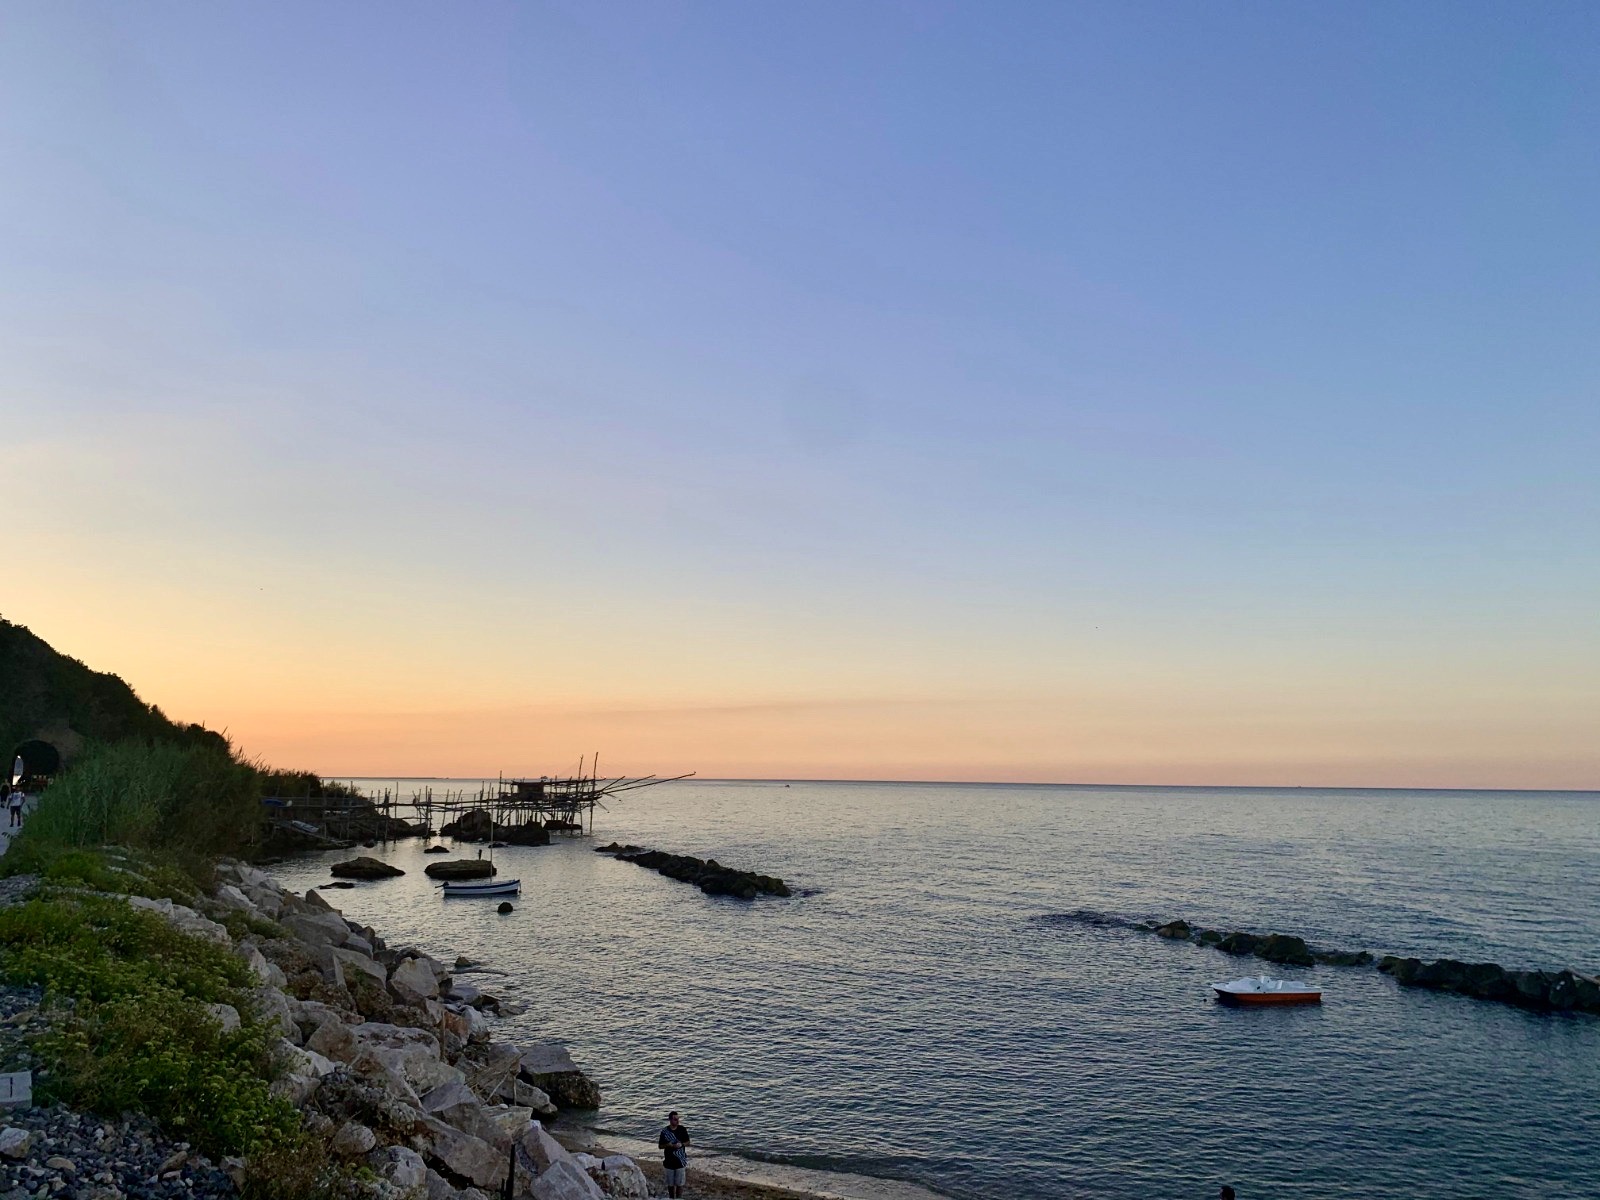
[(710, 876), (386, 1053), (390, 1056)]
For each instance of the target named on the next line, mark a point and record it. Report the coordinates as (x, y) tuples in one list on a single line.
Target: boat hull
[(1263, 999), (510, 887)]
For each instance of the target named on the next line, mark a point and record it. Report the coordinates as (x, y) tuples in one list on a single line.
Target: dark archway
[(40, 760)]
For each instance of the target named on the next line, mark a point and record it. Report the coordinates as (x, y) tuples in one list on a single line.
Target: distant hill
[(46, 695)]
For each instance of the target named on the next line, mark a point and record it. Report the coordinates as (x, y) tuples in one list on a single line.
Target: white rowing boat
[(496, 887)]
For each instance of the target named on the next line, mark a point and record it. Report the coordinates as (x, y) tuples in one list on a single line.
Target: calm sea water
[(920, 1016)]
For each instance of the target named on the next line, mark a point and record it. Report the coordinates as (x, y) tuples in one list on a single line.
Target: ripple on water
[(934, 1014)]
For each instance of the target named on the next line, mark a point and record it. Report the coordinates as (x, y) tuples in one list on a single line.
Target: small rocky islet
[(1545, 991), (710, 876)]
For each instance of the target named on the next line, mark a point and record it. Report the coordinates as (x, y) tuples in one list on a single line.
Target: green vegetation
[(144, 807), (198, 800), (100, 870), (45, 694), (134, 1030)]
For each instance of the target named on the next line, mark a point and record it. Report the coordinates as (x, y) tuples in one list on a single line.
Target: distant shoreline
[(346, 777)]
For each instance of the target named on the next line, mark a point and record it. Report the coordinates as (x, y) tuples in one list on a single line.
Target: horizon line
[(1236, 787)]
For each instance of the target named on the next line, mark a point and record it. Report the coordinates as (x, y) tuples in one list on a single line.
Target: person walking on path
[(15, 802), (674, 1143)]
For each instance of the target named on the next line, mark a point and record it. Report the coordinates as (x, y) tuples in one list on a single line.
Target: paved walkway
[(5, 823)]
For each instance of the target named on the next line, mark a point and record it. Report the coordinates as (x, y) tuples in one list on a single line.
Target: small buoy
[(505, 906)]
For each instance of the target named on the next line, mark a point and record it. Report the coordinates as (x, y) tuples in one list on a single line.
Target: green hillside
[(46, 695)]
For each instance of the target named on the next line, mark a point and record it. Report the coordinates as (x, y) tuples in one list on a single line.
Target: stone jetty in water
[(1555, 991), (1545, 991), (710, 876)]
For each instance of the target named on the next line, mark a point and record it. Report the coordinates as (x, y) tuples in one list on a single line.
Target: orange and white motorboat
[(1259, 989)]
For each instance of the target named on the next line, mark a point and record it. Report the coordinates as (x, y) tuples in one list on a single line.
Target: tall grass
[(178, 798)]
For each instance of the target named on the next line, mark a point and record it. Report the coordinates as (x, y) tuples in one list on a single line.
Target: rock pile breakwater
[(1274, 947), (1546, 991), (1554, 991), (710, 876)]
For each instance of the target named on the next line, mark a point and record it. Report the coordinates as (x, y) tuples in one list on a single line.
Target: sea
[(951, 998)]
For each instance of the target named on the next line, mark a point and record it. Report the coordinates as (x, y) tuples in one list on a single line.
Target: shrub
[(107, 870), (133, 1030), (165, 1055), (192, 800)]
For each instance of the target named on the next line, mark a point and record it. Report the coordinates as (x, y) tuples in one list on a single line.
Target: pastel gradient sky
[(1134, 392)]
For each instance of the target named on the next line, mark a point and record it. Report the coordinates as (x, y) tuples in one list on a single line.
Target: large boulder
[(314, 929), (460, 868), (538, 1151), (351, 966), (474, 826), (414, 980), (402, 1169), (184, 919), (1587, 990), (1239, 943), (1281, 948), (461, 1154), (302, 1072), (267, 972), (1532, 988), (620, 1177), (421, 1070), (1442, 975), (364, 867), (272, 1006), (549, 1067), (455, 1104), (334, 1039), (1174, 929), (1404, 970), (564, 1181), (352, 1140)]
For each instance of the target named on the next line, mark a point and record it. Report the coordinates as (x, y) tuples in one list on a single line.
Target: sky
[(1125, 392)]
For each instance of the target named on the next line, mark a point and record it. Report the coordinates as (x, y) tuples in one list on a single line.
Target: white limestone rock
[(413, 981), (352, 1140), (565, 1181)]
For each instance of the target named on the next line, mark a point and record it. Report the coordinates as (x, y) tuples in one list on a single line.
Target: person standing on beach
[(674, 1143)]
